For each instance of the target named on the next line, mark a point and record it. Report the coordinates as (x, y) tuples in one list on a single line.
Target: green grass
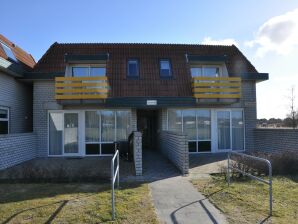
[(246, 201), (74, 203)]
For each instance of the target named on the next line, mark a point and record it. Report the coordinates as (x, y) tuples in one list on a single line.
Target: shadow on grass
[(22, 192)]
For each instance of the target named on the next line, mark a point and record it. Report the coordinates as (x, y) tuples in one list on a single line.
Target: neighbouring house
[(16, 103), (86, 96)]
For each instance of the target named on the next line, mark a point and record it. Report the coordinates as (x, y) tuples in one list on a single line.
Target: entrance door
[(71, 134), (147, 124), (223, 130)]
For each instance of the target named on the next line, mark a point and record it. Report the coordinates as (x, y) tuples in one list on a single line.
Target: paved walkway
[(174, 197), (177, 201)]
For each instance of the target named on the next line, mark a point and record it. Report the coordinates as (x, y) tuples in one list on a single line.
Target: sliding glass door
[(223, 130), (71, 134)]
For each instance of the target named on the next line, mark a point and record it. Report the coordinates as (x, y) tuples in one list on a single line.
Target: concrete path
[(177, 201)]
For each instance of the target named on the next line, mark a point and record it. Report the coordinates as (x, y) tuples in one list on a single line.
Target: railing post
[(113, 196), (270, 189), (228, 170), (118, 175)]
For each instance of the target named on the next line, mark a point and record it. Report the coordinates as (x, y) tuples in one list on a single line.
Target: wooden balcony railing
[(216, 87), (78, 88)]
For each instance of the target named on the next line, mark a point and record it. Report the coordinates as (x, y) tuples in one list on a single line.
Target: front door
[(71, 134), (147, 124)]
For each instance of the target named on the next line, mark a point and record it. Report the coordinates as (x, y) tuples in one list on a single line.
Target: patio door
[(224, 135), (71, 134)]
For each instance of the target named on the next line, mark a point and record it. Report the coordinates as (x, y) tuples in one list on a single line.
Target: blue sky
[(35, 25)]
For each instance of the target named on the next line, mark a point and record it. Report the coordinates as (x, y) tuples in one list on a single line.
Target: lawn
[(246, 201), (74, 203)]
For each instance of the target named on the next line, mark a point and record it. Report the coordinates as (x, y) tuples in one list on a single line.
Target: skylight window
[(8, 52)]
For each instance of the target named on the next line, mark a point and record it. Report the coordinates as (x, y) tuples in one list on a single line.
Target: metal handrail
[(114, 176), (269, 182)]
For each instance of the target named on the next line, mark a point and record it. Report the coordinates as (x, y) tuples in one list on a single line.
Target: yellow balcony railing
[(216, 87), (78, 88)]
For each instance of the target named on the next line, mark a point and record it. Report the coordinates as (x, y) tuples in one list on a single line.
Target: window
[(208, 71), (4, 120), (133, 68), (84, 71), (165, 68), (8, 52)]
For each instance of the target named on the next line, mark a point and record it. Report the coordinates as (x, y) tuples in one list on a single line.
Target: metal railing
[(268, 182), (114, 177)]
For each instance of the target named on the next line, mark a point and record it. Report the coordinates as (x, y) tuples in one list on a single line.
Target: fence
[(269, 183), (114, 176)]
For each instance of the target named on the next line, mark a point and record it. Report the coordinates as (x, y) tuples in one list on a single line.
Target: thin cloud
[(279, 34), (228, 41)]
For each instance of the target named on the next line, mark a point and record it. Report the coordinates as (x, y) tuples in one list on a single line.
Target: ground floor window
[(4, 120), (88, 132), (209, 129)]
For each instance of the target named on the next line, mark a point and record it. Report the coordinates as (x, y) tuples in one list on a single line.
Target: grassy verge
[(246, 201), (74, 203)]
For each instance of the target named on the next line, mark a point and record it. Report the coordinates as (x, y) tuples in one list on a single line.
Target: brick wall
[(43, 100), (276, 139), (175, 147), (17, 96), (16, 148), (137, 152)]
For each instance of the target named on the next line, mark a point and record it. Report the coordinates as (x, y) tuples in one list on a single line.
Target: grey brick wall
[(175, 147), (17, 96), (43, 100), (16, 148), (276, 139), (137, 153)]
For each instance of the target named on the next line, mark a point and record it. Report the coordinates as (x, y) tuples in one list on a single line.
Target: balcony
[(216, 87), (81, 88)]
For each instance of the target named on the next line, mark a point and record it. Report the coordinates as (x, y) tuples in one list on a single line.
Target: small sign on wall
[(151, 102)]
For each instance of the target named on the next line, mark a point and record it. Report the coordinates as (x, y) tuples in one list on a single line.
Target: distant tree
[(292, 114)]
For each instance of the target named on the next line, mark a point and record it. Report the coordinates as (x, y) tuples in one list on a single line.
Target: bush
[(283, 163)]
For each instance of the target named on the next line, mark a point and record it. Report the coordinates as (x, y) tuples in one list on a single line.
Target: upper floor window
[(8, 52), (84, 71), (4, 120), (207, 71), (165, 68), (133, 68)]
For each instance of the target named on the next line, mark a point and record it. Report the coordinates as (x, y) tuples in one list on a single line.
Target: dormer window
[(8, 52), (133, 68), (206, 71), (88, 70)]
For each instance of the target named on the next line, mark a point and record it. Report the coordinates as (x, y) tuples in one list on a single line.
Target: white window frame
[(214, 135), (207, 66), (89, 66), (6, 119), (82, 134)]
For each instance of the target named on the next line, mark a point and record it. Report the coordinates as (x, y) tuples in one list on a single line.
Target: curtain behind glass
[(55, 133), (175, 120), (189, 124), (92, 126), (123, 125), (204, 124), (107, 126), (71, 133), (237, 130), (223, 129)]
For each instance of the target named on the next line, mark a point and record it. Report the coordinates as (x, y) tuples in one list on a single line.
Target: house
[(86, 96), (15, 96), (16, 105)]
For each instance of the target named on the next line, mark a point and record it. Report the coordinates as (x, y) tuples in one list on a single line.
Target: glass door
[(223, 130), (71, 134)]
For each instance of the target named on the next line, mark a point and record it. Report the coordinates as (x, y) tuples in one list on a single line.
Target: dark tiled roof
[(149, 83), (26, 59)]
